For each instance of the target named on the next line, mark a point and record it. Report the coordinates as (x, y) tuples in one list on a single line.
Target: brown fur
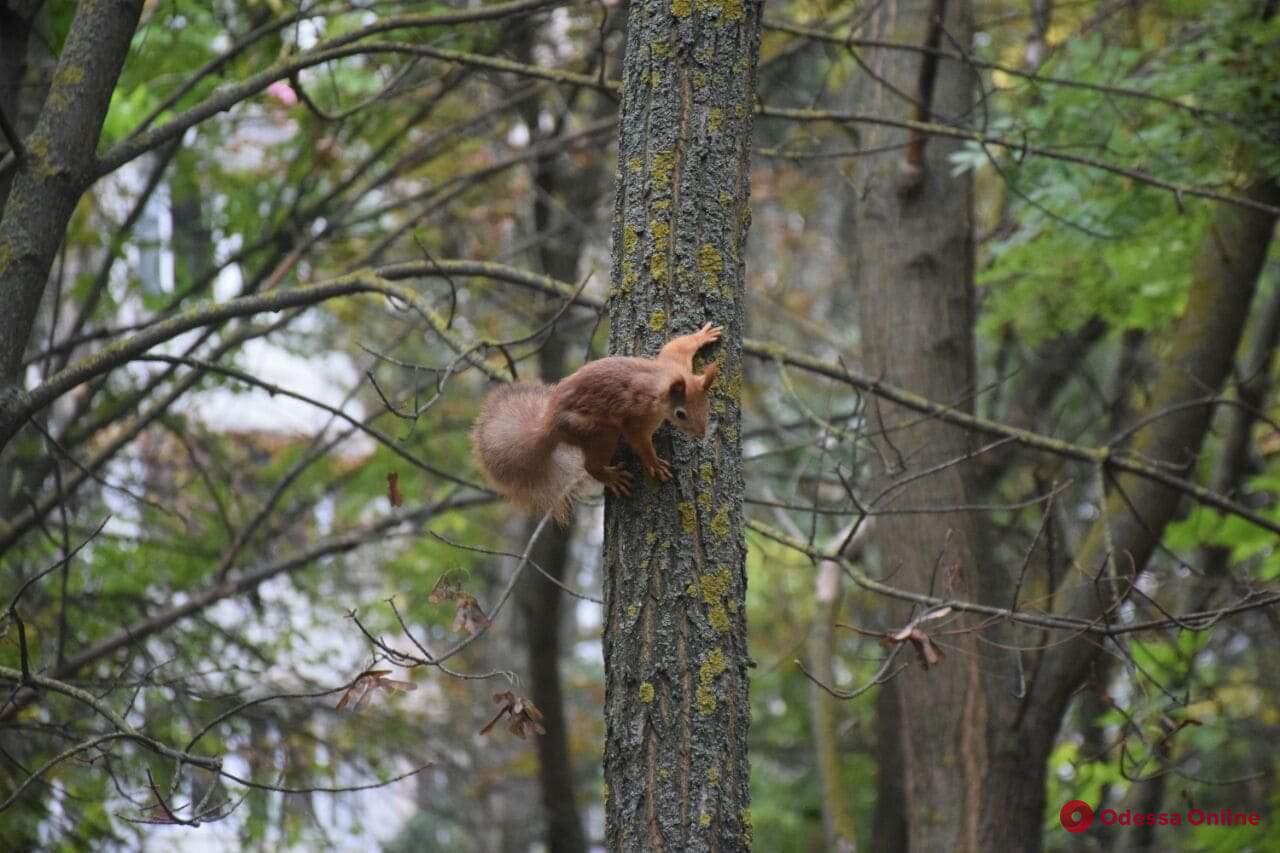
[(519, 459), (535, 442)]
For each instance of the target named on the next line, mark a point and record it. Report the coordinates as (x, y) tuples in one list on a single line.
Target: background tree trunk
[(837, 819), (26, 69), (1195, 365), (915, 272), (889, 821), (59, 166), (676, 708), (560, 206)]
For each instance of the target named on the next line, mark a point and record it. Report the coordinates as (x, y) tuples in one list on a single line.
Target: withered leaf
[(928, 653), (525, 716), (469, 618), (444, 590), (361, 691)]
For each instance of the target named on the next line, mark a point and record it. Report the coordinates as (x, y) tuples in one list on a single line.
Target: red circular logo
[(1076, 816)]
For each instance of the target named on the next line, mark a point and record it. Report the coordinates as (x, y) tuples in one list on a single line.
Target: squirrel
[(535, 442)]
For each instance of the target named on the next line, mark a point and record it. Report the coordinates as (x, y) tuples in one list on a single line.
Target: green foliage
[(1249, 545), (1088, 243)]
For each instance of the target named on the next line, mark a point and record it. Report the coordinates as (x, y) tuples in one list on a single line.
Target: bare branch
[(1098, 627), (1022, 149), (336, 48)]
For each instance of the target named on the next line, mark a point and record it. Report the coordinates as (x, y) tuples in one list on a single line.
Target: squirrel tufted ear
[(677, 390), (709, 375)]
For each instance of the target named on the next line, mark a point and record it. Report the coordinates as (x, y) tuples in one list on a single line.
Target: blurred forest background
[(250, 535)]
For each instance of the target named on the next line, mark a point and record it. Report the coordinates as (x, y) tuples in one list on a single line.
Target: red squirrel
[(535, 442)]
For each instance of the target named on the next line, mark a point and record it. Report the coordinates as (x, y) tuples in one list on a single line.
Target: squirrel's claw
[(617, 480), (710, 333), (660, 470)]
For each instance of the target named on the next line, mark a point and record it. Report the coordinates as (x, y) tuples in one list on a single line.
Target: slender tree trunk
[(1234, 428), (676, 709), (889, 823), (914, 249), (1231, 467), (18, 23), (837, 820), (558, 201), (1195, 364), (540, 605)]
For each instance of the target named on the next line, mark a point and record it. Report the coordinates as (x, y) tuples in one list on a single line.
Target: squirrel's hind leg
[(597, 453), (581, 431)]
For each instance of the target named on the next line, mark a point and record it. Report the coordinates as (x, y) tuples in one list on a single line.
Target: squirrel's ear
[(677, 389), (709, 375)]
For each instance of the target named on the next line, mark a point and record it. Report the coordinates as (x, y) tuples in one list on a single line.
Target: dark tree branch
[(12, 137), (61, 152)]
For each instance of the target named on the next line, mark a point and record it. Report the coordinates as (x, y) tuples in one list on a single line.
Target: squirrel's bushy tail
[(520, 455)]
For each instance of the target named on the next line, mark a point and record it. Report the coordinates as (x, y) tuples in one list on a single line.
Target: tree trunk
[(1231, 467), (25, 72), (837, 820), (540, 607), (915, 271), (889, 823), (558, 254), (1195, 365), (676, 709), (58, 166)]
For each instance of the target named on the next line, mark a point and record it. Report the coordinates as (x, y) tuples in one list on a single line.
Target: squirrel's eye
[(681, 414)]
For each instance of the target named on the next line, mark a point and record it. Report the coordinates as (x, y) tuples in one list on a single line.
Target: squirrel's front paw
[(616, 479), (660, 469), (710, 333)]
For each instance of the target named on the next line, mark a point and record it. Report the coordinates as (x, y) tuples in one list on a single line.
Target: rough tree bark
[(913, 235), (676, 709), (56, 120)]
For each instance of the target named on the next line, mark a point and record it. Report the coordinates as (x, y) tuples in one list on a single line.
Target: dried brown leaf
[(444, 590), (525, 716), (469, 618), (361, 691)]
